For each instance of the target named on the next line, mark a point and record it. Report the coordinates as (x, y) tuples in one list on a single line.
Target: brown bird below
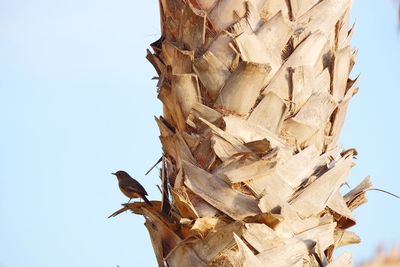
[(130, 187)]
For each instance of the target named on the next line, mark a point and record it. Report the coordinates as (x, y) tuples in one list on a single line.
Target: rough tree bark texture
[(255, 95)]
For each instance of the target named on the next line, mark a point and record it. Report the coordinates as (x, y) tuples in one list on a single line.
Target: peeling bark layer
[(255, 95)]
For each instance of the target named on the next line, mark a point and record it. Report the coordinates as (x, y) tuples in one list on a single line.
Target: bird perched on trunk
[(130, 187)]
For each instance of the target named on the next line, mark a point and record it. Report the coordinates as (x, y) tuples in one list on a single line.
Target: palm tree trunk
[(254, 95)]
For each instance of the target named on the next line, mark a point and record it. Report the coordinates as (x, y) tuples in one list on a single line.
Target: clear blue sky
[(77, 102)]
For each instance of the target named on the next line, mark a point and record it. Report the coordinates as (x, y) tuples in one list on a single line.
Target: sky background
[(77, 102)]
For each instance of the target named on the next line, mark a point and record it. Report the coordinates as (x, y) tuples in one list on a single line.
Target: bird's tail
[(146, 200)]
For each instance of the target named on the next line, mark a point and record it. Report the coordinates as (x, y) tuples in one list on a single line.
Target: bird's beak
[(113, 173)]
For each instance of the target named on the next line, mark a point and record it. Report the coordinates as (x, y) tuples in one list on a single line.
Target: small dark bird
[(130, 187)]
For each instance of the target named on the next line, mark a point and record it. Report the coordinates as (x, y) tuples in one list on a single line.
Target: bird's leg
[(129, 201)]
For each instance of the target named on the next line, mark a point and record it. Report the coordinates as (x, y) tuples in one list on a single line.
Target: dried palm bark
[(254, 94)]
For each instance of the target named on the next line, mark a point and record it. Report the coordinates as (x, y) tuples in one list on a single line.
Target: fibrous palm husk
[(255, 95)]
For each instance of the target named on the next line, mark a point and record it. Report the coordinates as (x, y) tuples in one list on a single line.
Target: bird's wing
[(136, 187)]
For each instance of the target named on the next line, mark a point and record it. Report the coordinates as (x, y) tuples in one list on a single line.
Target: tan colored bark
[(255, 94)]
